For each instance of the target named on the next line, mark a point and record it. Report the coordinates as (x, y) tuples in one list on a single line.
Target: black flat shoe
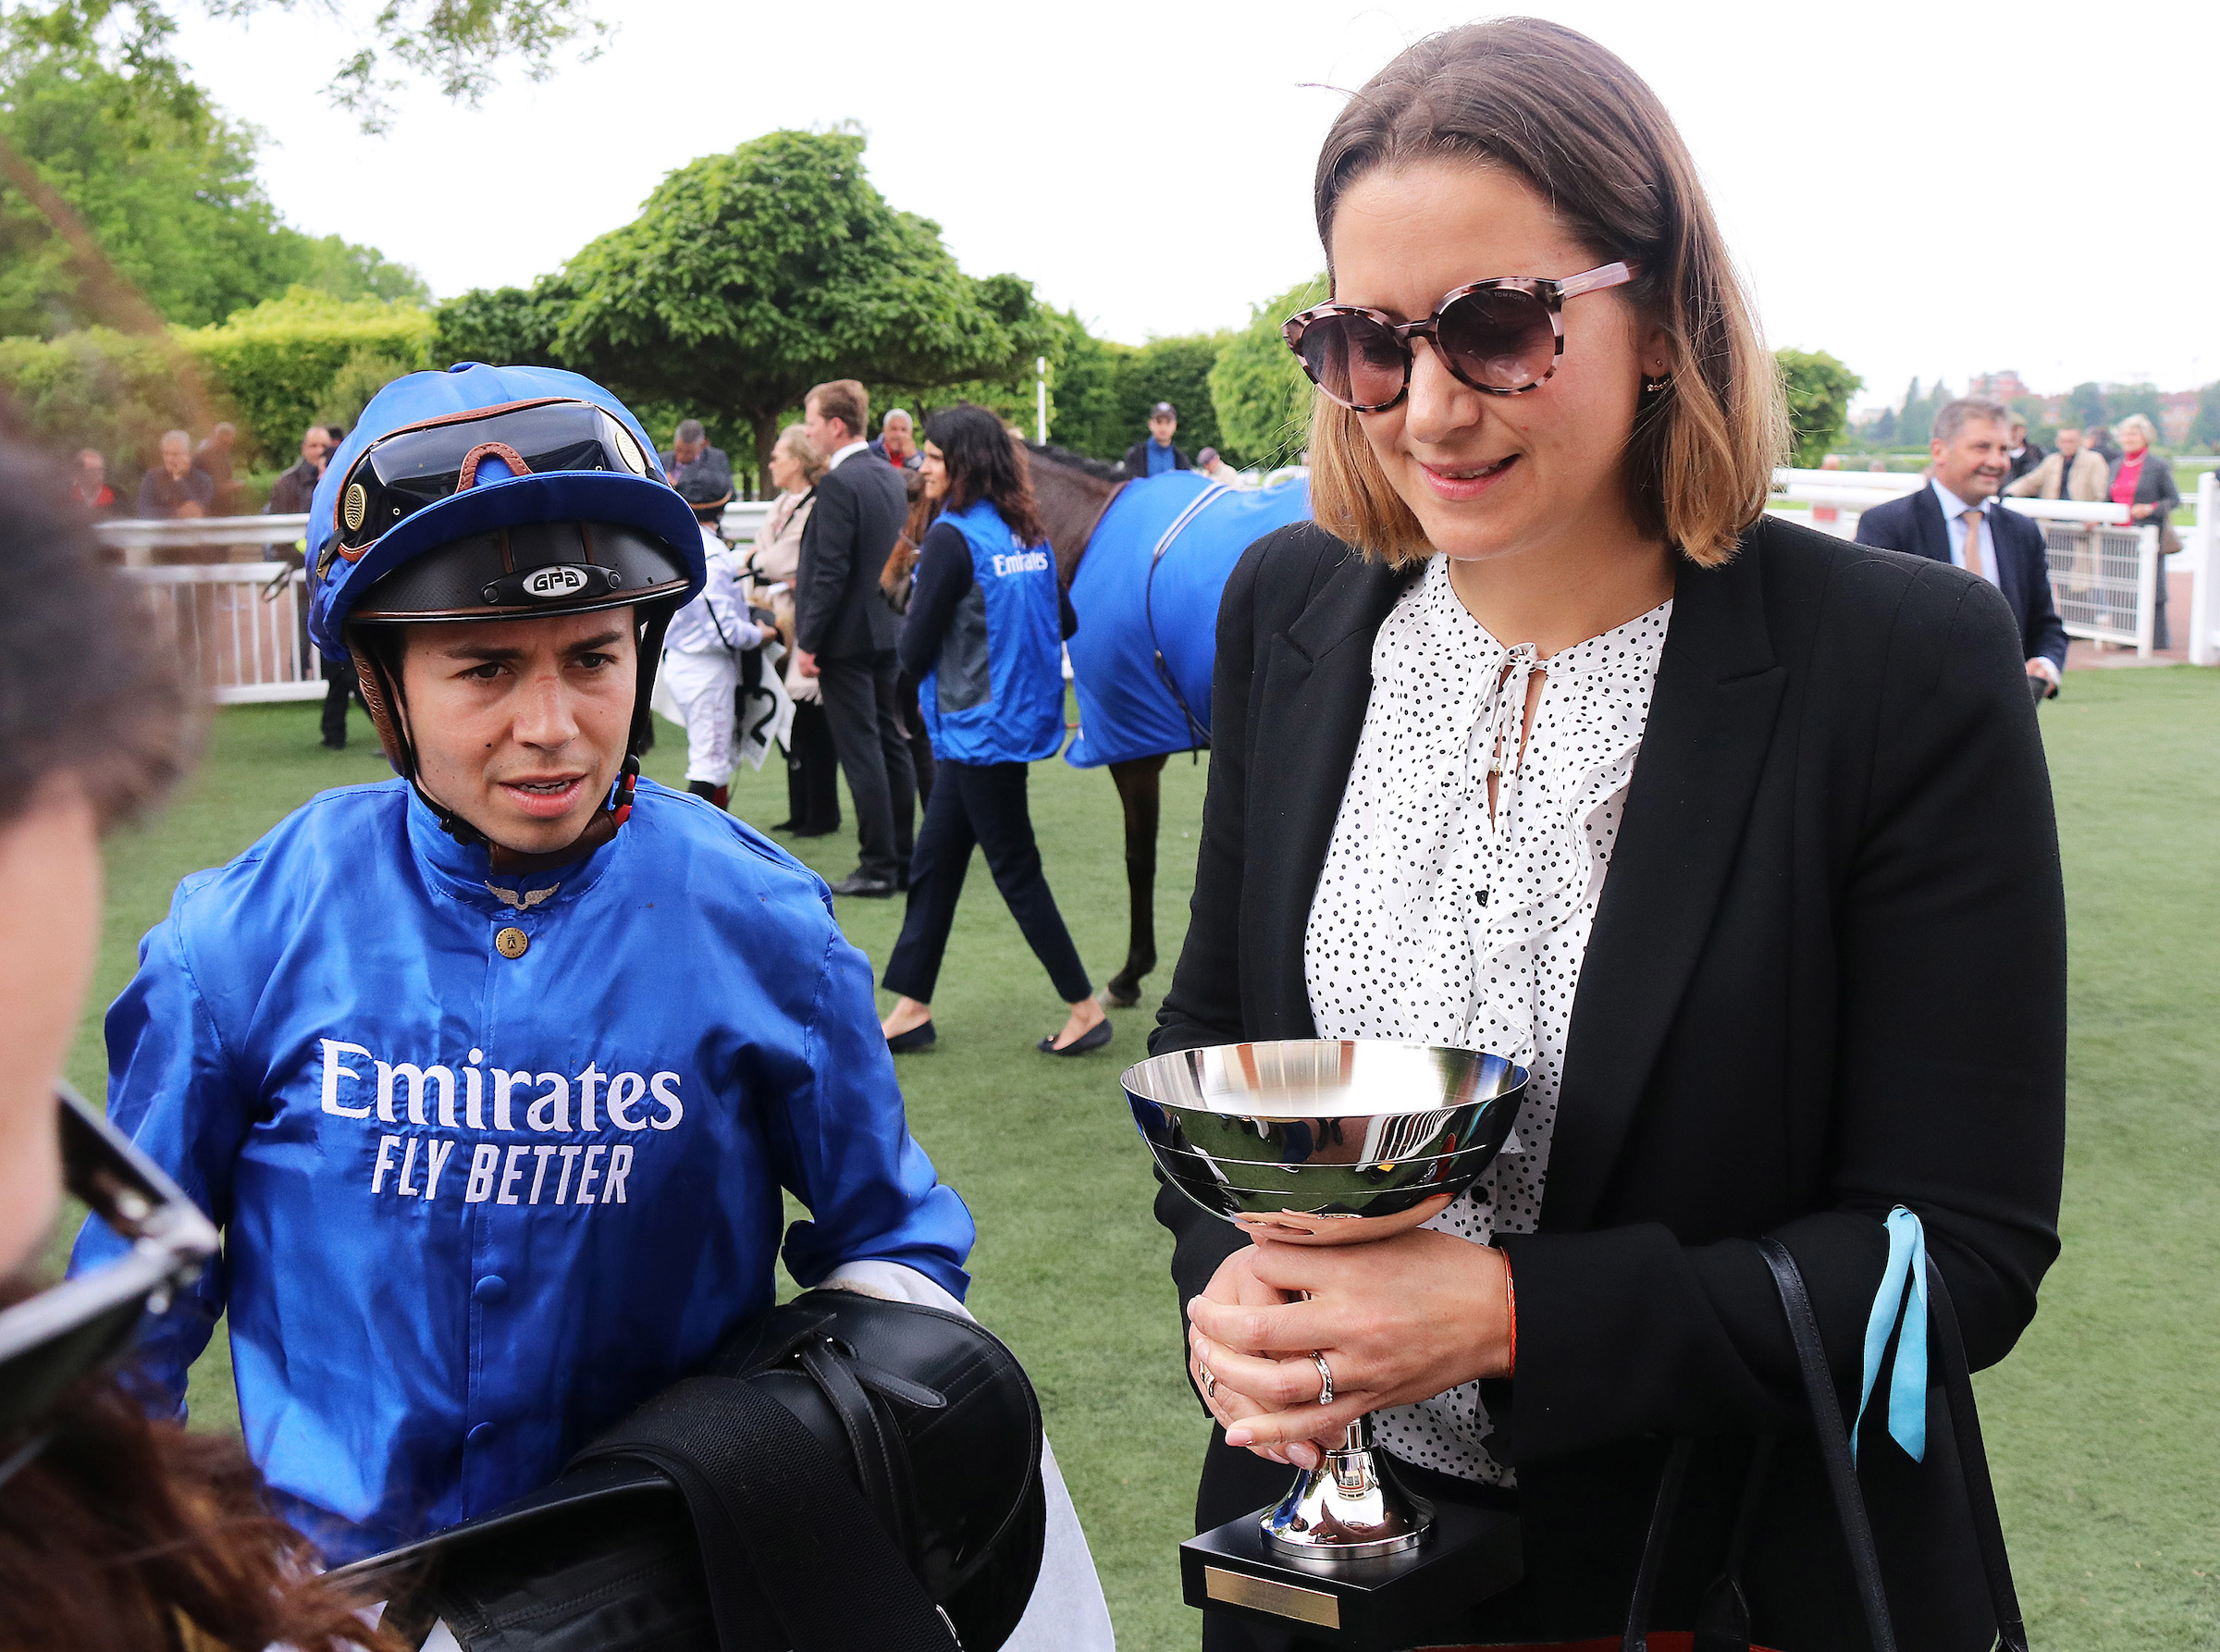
[(920, 1037), (1094, 1037)]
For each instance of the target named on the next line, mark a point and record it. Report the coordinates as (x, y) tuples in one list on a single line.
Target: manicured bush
[(275, 363)]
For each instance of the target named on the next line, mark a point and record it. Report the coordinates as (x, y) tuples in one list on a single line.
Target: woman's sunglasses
[(49, 1340), (1500, 337)]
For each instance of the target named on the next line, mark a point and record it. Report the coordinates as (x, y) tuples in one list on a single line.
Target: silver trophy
[(1328, 1141)]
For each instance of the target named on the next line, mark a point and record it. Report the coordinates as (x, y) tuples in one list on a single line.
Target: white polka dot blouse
[(1438, 922)]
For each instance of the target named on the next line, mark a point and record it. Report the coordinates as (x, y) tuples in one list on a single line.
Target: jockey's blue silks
[(995, 692), (1127, 710), (498, 1157), (1903, 1281)]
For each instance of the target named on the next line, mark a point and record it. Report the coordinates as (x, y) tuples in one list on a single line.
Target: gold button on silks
[(510, 942)]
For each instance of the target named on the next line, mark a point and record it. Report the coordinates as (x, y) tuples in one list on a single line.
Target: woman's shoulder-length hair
[(1589, 136)]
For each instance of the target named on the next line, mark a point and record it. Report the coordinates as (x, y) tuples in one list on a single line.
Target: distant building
[(2006, 387)]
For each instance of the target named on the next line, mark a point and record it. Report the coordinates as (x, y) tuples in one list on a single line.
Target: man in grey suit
[(1955, 518), (845, 632)]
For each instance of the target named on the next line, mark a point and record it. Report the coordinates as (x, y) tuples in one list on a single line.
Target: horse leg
[(1139, 792)]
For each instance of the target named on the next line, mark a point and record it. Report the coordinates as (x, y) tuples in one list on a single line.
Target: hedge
[(269, 370)]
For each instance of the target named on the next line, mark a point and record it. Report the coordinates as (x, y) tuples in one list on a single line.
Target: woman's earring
[(1656, 387)]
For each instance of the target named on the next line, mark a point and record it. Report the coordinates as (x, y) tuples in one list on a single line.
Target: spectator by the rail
[(1212, 463), (692, 461), (845, 633), (296, 485), (176, 487), (89, 486), (1153, 454), (897, 442), (1828, 516), (214, 458), (2099, 438), (1956, 519), (2143, 481), (2024, 454), (2069, 473), (812, 765)]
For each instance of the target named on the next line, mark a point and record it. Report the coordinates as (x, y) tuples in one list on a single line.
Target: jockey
[(702, 650), (493, 1072)]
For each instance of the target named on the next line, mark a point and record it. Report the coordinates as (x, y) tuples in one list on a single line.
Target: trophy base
[(1379, 1603)]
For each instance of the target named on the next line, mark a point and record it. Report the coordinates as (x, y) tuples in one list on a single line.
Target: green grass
[(2100, 1425)]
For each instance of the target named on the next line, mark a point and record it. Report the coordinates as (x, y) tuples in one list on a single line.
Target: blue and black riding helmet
[(493, 493)]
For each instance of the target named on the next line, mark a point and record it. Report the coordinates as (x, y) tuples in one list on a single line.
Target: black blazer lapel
[(1711, 722), (1930, 534), (1316, 676)]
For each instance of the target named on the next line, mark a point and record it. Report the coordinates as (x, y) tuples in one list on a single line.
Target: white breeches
[(703, 685)]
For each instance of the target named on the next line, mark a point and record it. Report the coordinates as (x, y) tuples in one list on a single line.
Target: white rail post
[(1041, 399), (2205, 573), (2146, 575)]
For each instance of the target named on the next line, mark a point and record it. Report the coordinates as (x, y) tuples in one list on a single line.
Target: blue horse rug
[(1147, 589)]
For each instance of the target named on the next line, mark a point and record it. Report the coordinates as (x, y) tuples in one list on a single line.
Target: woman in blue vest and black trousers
[(983, 638)]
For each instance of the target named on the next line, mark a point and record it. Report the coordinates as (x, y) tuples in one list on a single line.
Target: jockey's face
[(520, 725), (1494, 476), (50, 890)]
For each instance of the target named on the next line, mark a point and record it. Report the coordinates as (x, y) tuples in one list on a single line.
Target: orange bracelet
[(1510, 1313)]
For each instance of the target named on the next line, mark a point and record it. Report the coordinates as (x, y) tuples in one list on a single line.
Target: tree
[(500, 326), (749, 276), (161, 184), (2085, 406), (2205, 431), (1176, 370), (458, 43), (1818, 388), (1084, 373), (1259, 389), (1916, 420), (2124, 400)]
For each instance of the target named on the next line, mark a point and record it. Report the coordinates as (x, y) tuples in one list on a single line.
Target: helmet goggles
[(49, 1340), (402, 473)]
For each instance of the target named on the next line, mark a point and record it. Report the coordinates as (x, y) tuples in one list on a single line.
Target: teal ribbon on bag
[(1908, 1384)]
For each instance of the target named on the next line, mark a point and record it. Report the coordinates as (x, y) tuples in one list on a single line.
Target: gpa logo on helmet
[(557, 581)]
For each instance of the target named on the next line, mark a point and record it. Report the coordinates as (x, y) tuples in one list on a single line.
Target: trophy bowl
[(1328, 1141)]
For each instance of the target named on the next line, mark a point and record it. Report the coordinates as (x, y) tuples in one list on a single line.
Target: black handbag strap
[(773, 1507), (1834, 1443), (1973, 1460), (1652, 1566)]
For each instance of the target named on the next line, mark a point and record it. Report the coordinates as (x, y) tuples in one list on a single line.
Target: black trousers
[(339, 686), (812, 772), (980, 804), (860, 703)]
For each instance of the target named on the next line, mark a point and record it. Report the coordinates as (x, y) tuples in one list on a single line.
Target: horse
[(1144, 561)]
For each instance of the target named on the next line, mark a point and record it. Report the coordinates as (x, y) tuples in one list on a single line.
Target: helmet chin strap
[(382, 696)]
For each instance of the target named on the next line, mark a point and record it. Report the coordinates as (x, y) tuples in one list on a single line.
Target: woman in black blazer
[(1823, 977), (2143, 481)]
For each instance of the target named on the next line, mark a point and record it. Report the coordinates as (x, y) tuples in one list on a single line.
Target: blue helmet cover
[(647, 503)]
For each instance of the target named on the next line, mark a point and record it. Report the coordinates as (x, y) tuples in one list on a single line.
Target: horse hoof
[(1114, 996)]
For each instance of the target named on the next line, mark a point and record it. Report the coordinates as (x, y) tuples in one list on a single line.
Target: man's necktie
[(1975, 561)]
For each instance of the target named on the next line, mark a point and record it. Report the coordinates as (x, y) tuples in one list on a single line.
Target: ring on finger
[(1325, 1378), (1210, 1381)]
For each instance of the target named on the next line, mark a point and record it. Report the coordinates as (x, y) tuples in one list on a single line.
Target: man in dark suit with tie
[(1956, 518), (845, 632)]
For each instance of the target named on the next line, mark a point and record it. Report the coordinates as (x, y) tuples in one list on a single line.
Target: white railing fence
[(237, 627), (2104, 573), (2203, 545)]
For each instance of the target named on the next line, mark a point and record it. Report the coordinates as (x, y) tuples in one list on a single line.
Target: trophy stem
[(1348, 1507)]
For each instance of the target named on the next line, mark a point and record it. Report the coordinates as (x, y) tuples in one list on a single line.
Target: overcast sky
[(1934, 189)]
